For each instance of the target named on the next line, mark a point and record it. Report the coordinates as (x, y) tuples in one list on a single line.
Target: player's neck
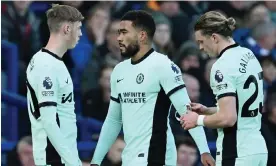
[(142, 52), (224, 44), (56, 46)]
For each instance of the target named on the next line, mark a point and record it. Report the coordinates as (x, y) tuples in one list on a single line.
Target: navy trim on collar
[(144, 57), (51, 53), (228, 47)]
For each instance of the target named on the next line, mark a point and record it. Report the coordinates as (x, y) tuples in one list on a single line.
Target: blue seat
[(10, 56)]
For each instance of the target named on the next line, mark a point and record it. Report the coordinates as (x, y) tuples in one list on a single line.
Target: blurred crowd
[(91, 62)]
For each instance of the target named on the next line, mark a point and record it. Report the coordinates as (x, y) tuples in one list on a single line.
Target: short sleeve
[(114, 95), (170, 77), (47, 87), (222, 81)]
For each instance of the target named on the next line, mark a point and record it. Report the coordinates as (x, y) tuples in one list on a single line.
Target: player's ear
[(143, 36), (66, 29), (214, 37)]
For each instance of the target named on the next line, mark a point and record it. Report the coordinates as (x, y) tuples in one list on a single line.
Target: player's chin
[(73, 45), (122, 50), (212, 55)]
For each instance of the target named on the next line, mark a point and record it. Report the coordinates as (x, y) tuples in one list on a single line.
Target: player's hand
[(189, 120), (198, 108), (207, 159)]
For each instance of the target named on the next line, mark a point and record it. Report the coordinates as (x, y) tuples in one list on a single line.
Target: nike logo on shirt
[(119, 80)]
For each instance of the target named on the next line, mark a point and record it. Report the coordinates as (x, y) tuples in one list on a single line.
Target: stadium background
[(24, 31)]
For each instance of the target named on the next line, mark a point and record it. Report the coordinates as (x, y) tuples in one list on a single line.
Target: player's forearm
[(110, 130), (57, 139), (180, 100), (48, 118), (210, 111), (108, 135), (217, 120), (199, 137)]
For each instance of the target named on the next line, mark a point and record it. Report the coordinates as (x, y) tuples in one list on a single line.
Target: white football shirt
[(141, 96), (51, 110), (238, 73), (143, 89)]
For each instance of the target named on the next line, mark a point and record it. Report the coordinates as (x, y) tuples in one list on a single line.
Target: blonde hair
[(62, 13), (215, 22)]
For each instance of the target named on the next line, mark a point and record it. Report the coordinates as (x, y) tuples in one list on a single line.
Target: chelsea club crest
[(140, 78)]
